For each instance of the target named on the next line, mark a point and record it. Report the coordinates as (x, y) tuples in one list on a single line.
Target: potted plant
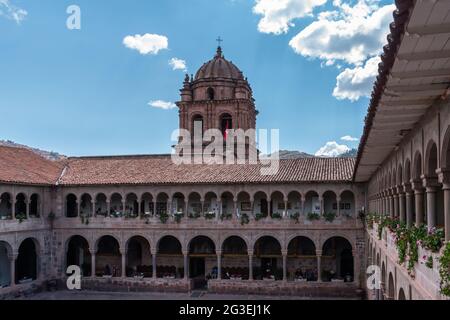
[(313, 216), (194, 215), (329, 216), (259, 216), (177, 216), (245, 219), (295, 216), (163, 217), (21, 217), (277, 215), (210, 215)]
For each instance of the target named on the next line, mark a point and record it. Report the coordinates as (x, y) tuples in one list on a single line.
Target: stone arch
[(401, 294), (234, 258), (20, 205), (340, 252), (194, 201), (71, 205), (330, 201), (301, 259), (391, 287), (147, 204), (202, 256), (85, 204), (417, 165), (399, 174), (138, 256), (162, 199), (347, 203), (6, 203), (225, 122), (169, 257), (35, 205), (5, 265), (407, 171), (267, 252), (431, 159), (116, 204), (312, 202), (101, 204), (27, 263), (108, 256), (132, 205), (78, 253), (445, 152)]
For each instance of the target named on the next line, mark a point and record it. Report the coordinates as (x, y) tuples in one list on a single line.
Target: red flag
[(225, 134)]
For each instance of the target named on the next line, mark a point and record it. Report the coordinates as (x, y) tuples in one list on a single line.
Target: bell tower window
[(210, 93), (226, 123), (197, 122)]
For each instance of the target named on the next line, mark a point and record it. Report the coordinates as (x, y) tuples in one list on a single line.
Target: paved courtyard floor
[(94, 295)]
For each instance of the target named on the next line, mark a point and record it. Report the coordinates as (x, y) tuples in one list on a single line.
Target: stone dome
[(219, 67)]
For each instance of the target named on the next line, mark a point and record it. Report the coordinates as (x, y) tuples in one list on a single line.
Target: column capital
[(417, 185), (92, 252), (319, 253), (430, 182), (407, 187), (284, 253), (185, 253), (444, 177), (219, 252), (250, 252), (13, 256)]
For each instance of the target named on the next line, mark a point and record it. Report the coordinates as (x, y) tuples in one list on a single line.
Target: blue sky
[(311, 64)]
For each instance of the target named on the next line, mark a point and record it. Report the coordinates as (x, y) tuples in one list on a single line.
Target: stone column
[(391, 206), (108, 208), (202, 203), (322, 209), (186, 207), (139, 207), (154, 265), (186, 265), (219, 212), (27, 208), (401, 199), (13, 208), (338, 203), (303, 206), (219, 264), (319, 265), (250, 264), (93, 264), (431, 207), (409, 206), (284, 253), (285, 213), (418, 196), (79, 208), (395, 197), (235, 206), (446, 188), (124, 264), (12, 267), (93, 208), (444, 179), (124, 207)]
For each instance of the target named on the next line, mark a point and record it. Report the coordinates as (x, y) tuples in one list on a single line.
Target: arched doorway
[(302, 260), (268, 259), (78, 254), (234, 259), (391, 287), (71, 206), (5, 206), (337, 260), (202, 257), (401, 294), (5, 265), (169, 258), (27, 262), (109, 261), (138, 258)]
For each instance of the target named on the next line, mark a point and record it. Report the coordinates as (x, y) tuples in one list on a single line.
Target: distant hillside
[(51, 155), (286, 154), (349, 154)]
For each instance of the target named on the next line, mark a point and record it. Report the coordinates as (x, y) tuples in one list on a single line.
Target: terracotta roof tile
[(161, 170), (23, 166)]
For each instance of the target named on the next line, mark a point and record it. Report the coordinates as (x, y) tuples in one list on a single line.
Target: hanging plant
[(245, 219), (444, 271), (163, 217), (329, 216), (295, 216), (313, 216)]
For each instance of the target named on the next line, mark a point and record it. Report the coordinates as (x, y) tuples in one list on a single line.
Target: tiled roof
[(161, 170), (23, 166)]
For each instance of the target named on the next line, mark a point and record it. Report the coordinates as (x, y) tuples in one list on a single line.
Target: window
[(210, 93)]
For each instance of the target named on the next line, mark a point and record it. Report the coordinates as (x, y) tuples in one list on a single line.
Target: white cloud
[(357, 82), (349, 138), (349, 33), (147, 43), (278, 14), (12, 12), (162, 104), (332, 149), (178, 64)]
